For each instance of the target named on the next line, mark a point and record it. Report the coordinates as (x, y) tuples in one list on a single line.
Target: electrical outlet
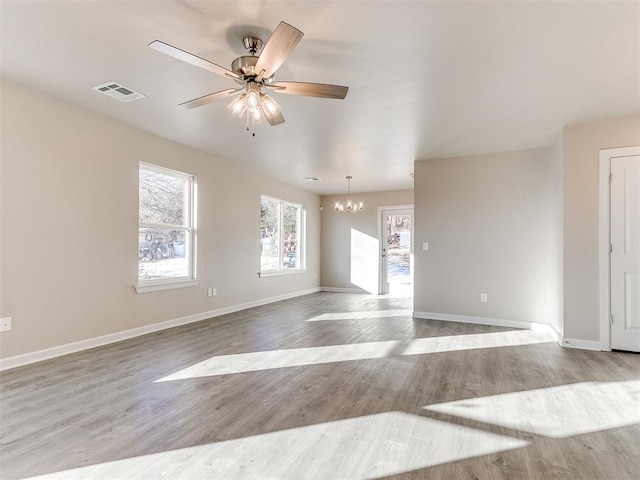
[(5, 324), (425, 246), (483, 297)]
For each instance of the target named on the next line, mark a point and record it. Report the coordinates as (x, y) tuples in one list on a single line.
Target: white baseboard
[(583, 344), (343, 290), (48, 353), (565, 342), (497, 322)]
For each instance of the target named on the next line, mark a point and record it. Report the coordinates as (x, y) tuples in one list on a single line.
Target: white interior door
[(625, 253), (396, 250)]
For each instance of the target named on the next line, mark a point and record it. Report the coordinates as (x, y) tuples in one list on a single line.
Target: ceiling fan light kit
[(256, 105), (349, 206), (253, 72)]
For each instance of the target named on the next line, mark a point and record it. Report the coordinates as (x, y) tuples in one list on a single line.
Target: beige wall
[(521, 226), (486, 219), (68, 202), (338, 229), (581, 150), (487, 211)]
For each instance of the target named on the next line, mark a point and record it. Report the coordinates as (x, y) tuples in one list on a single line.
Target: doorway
[(620, 249), (396, 250)]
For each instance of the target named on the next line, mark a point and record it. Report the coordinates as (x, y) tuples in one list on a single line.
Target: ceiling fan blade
[(276, 120), (212, 97), (321, 90), (192, 59), (279, 46)]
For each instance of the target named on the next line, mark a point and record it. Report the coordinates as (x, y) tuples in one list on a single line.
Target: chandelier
[(349, 207), (255, 104)]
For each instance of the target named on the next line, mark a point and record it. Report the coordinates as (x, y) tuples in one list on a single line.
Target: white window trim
[(303, 240), (154, 285), (277, 273)]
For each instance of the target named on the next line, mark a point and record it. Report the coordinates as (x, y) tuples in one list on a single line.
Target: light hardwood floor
[(326, 386)]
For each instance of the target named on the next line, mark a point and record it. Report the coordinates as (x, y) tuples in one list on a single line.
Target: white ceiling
[(427, 79)]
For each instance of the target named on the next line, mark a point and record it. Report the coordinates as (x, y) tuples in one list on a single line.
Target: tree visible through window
[(165, 235), (281, 235)]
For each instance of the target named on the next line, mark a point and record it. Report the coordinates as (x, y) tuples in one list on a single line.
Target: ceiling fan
[(255, 72)]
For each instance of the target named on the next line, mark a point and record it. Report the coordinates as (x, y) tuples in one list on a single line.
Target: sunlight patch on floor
[(421, 346), (293, 357), (296, 357), (404, 312), (557, 412), (356, 449)]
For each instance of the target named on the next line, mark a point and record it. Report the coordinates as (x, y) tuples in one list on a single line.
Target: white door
[(625, 253), (396, 250)]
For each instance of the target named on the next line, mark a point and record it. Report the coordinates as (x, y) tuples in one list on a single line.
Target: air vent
[(311, 179), (118, 91)]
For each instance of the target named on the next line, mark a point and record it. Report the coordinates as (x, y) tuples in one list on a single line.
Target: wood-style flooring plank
[(326, 386)]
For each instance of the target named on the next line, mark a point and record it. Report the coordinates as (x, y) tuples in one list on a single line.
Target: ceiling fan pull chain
[(253, 125)]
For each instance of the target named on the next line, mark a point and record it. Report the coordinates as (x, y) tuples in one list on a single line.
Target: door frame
[(381, 210), (604, 238)]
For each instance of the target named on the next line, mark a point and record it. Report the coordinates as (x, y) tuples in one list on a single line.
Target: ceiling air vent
[(118, 91)]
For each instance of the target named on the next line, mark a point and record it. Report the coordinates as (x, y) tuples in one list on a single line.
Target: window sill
[(277, 273), (165, 285)]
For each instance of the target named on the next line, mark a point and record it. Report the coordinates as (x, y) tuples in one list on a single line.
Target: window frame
[(302, 242), (188, 227)]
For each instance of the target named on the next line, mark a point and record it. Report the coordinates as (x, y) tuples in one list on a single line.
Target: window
[(281, 236), (166, 227)]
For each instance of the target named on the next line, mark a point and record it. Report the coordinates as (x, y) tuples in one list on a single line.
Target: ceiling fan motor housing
[(245, 66)]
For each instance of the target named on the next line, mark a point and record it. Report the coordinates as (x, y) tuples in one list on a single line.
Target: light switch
[(425, 246)]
